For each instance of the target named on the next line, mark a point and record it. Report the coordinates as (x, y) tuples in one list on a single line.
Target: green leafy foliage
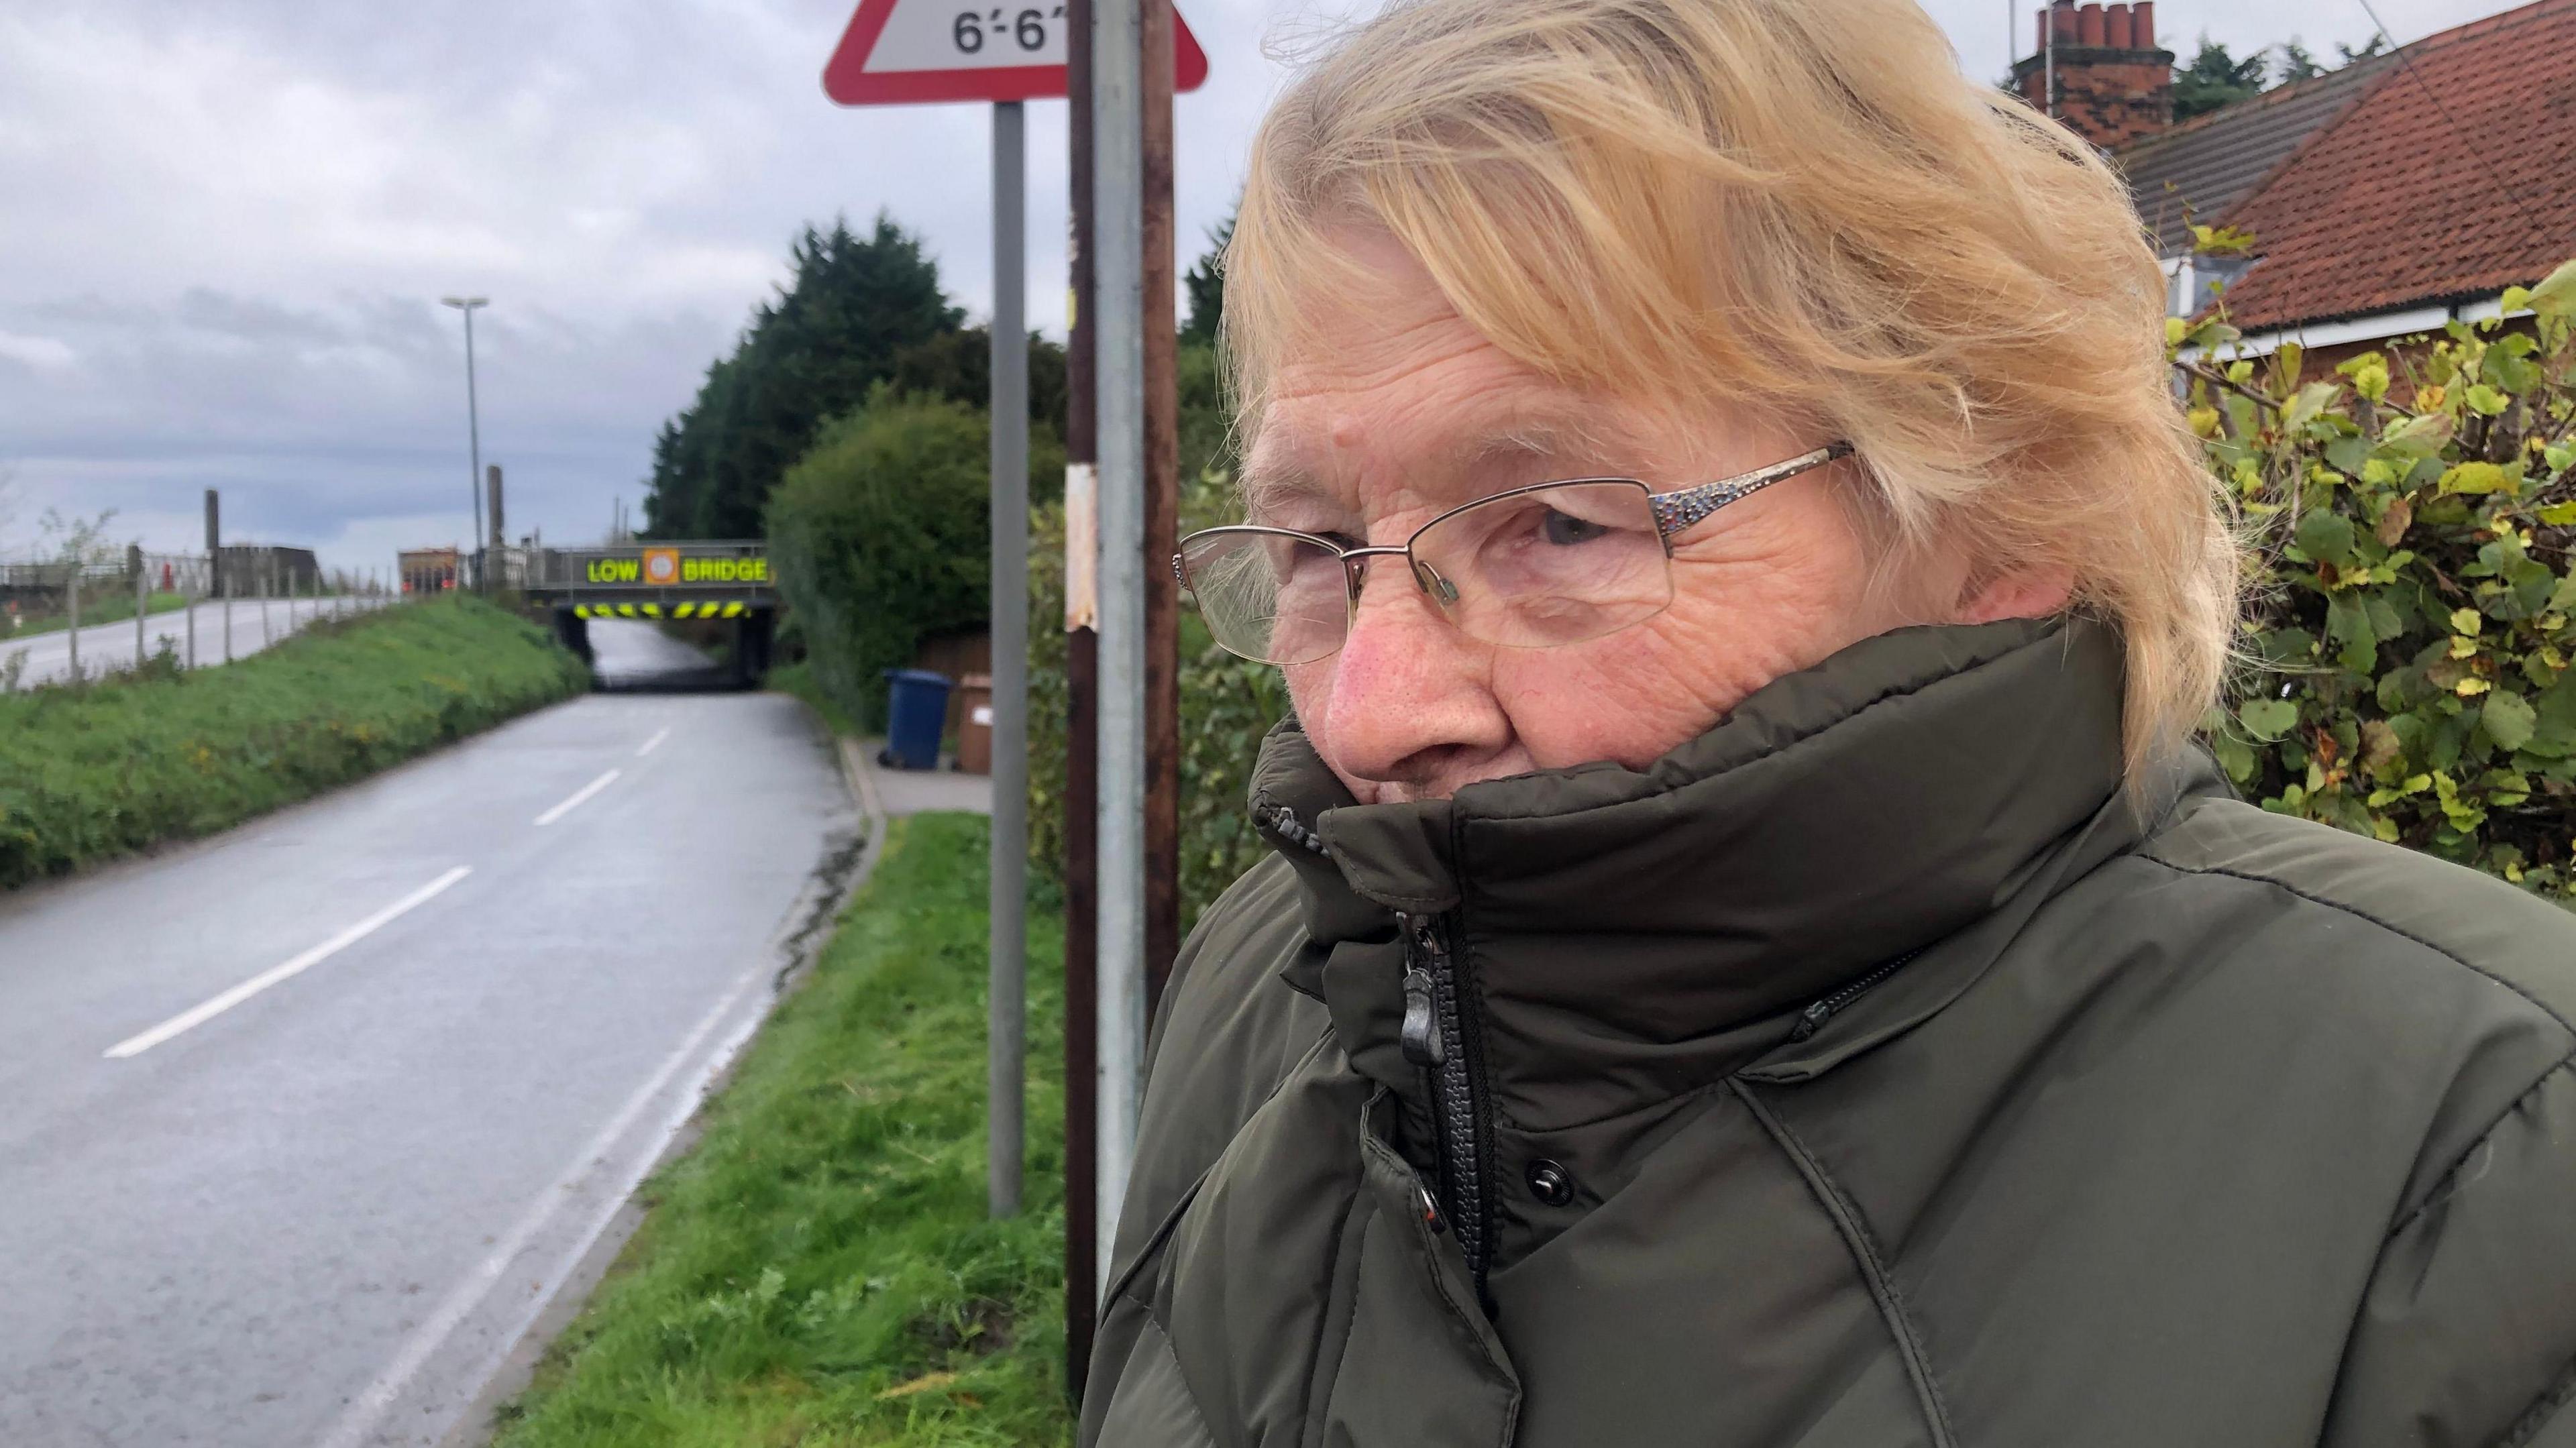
[(820, 1270), (858, 311), (2216, 78), (93, 771), (1226, 704), (1204, 285), (2415, 510), (882, 536)]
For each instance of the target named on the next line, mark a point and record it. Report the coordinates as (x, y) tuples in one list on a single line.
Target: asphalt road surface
[(108, 646), (308, 1122)]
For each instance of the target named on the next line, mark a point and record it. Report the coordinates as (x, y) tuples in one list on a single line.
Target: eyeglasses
[(1532, 568)]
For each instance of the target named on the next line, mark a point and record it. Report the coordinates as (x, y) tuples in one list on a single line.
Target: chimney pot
[(2142, 24), (2088, 25), (2118, 30)]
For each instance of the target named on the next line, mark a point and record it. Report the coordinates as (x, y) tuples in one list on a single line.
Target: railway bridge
[(724, 580)]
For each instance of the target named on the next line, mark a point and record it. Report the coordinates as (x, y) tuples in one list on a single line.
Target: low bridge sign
[(692, 580)]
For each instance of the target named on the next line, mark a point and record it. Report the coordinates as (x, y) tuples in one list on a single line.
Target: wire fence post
[(71, 605), (188, 603)]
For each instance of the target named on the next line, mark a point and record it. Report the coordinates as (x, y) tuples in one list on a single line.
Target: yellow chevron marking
[(733, 610)]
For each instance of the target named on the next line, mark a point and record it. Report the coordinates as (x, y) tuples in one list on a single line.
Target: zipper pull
[(1811, 1020), (1423, 1045), (1421, 1035)]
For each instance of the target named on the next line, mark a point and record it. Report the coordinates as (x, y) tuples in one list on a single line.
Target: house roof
[(2447, 178), (2203, 167)]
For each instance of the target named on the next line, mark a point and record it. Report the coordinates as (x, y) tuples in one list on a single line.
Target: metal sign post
[(1117, 169), (1005, 1083), (900, 52)]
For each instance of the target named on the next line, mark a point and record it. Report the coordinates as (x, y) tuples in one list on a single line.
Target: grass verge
[(818, 1270), (114, 608), (798, 679), (95, 770)]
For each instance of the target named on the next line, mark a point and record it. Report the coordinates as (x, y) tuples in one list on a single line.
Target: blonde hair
[(1801, 203)]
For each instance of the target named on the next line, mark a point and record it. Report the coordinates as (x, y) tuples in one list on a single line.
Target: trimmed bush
[(882, 536)]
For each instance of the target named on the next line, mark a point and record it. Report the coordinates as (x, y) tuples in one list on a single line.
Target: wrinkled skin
[(1394, 408)]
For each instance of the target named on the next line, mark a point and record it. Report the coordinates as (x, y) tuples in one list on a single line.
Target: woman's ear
[(2021, 593)]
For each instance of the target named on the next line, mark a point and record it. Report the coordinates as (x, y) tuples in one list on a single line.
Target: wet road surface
[(308, 1120), (256, 623)]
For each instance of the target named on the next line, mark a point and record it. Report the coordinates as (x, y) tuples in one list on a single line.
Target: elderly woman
[(1752, 956)]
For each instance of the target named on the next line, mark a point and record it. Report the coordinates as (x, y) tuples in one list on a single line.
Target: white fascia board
[(2378, 328)]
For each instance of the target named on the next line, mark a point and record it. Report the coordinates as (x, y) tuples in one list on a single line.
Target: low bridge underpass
[(726, 581)]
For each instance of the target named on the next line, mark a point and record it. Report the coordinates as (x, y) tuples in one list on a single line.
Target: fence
[(201, 609)]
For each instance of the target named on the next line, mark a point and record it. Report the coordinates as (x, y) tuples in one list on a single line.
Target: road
[(308, 1121), (107, 646)]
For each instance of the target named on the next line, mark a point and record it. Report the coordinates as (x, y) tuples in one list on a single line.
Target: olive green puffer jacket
[(1871, 1071)]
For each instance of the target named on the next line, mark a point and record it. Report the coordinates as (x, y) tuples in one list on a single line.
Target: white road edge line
[(366, 1411), (574, 803), (188, 1020), (663, 733)]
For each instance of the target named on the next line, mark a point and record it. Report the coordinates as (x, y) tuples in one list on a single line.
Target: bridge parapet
[(667, 576)]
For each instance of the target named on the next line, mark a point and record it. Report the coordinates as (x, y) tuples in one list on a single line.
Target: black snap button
[(1549, 1183)]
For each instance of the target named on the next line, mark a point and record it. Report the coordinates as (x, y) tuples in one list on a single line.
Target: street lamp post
[(473, 430)]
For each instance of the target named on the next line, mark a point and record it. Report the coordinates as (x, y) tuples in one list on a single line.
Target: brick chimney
[(2113, 84)]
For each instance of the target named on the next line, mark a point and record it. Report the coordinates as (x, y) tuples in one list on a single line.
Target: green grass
[(96, 770), (819, 1270), (798, 679), (113, 608)]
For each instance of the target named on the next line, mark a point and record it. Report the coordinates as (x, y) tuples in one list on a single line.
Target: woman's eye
[(1564, 529)]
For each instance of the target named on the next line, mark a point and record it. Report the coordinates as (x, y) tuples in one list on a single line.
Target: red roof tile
[(2455, 176)]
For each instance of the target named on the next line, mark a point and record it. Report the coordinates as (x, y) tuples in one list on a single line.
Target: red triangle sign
[(905, 52)]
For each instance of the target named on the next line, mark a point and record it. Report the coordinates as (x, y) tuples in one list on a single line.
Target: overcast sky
[(224, 228)]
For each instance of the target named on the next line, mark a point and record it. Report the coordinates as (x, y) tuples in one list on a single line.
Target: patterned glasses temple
[(1678, 510)]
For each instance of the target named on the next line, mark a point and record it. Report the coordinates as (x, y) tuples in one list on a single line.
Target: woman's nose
[(1408, 690)]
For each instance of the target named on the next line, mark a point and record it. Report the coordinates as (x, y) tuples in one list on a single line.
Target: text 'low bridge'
[(726, 581)]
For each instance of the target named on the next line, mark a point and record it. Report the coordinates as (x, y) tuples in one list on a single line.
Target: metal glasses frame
[(1674, 512)]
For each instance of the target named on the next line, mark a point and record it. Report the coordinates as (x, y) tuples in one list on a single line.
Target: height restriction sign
[(902, 52)]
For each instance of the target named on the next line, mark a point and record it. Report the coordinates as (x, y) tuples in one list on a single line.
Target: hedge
[(881, 534), (2411, 522)]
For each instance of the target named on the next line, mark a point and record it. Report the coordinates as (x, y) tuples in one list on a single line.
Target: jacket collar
[(1634, 933)]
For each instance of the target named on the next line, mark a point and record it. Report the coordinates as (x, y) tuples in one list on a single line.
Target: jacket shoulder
[(1228, 1033), (2439, 918), (2439, 1001), (1226, 976)]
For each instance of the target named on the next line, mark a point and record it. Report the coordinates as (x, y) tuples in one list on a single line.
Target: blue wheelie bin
[(916, 712)]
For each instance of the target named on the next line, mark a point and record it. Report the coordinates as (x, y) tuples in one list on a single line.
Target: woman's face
[(1396, 409)]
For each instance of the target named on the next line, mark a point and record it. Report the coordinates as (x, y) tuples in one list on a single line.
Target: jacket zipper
[(1813, 1018), (1435, 1038)]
